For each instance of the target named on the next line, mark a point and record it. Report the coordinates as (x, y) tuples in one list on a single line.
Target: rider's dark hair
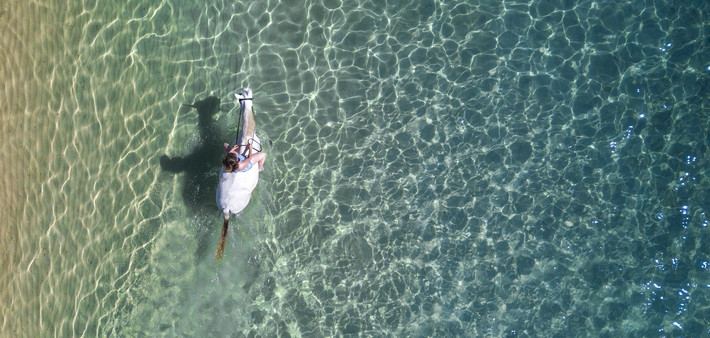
[(230, 162)]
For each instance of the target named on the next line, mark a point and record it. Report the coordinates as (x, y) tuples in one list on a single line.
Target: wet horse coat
[(234, 190)]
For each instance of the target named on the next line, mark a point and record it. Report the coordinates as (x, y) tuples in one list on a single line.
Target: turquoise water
[(435, 168)]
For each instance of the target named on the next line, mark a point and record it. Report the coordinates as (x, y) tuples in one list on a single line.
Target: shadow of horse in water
[(200, 187)]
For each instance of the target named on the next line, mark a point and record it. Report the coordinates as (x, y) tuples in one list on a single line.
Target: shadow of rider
[(199, 166)]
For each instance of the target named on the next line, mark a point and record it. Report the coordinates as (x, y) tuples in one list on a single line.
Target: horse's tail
[(222, 239)]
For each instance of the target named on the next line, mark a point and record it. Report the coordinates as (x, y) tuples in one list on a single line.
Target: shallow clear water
[(434, 168)]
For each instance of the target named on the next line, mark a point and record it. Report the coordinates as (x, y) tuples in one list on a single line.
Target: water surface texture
[(435, 168)]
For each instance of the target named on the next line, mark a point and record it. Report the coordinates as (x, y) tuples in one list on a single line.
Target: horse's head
[(245, 98)]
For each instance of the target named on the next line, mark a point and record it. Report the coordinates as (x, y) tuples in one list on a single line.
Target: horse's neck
[(248, 124)]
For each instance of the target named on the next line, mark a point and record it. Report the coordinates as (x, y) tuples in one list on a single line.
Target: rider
[(235, 162)]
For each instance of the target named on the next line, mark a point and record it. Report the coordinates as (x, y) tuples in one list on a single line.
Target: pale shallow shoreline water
[(436, 168)]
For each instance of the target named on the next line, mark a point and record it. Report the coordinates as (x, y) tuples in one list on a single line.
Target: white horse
[(235, 188)]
